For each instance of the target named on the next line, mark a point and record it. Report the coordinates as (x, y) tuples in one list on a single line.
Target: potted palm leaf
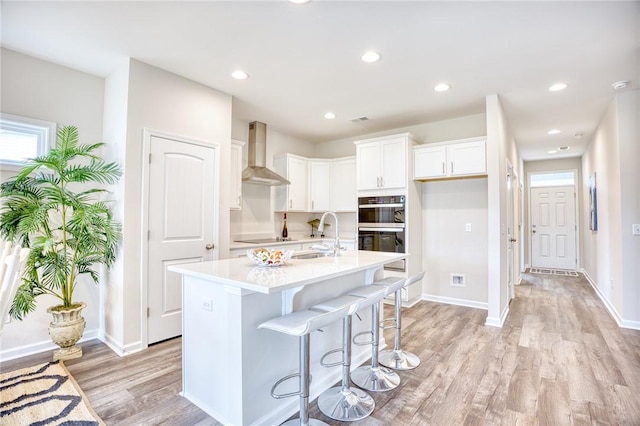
[(54, 206)]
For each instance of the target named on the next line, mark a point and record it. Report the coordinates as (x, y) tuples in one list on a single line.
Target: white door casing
[(553, 227), (181, 190), (511, 233)]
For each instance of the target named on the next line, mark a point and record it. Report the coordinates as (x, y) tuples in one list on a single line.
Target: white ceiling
[(304, 60)]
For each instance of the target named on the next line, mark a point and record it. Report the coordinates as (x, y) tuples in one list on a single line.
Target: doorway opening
[(553, 221)]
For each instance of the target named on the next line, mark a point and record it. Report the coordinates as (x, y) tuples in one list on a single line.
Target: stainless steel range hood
[(256, 171)]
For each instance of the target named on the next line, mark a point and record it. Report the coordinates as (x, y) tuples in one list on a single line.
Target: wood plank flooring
[(560, 359)]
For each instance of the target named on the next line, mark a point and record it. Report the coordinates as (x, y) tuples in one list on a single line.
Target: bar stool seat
[(345, 403), (396, 358), (376, 378), (301, 324)]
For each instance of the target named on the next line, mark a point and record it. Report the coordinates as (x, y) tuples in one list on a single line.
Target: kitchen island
[(228, 365)]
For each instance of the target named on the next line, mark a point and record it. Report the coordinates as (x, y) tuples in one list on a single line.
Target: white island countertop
[(243, 274)]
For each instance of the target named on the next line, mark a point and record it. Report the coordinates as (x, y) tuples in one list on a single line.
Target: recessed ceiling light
[(557, 87), (563, 148), (239, 75), (442, 87), (578, 135), (553, 132), (370, 56), (620, 84), (553, 151), (329, 116), (299, 1)]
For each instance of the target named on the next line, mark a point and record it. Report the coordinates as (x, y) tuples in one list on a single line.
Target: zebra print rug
[(44, 395)]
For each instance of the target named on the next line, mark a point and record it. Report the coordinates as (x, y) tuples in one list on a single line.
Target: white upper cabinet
[(344, 197), (292, 197), (382, 162), (461, 158), (319, 185), (235, 174)]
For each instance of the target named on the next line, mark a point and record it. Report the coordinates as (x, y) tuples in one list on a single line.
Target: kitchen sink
[(309, 255)]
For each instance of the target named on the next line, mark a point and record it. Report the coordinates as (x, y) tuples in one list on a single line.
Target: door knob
[(513, 240), (209, 246)]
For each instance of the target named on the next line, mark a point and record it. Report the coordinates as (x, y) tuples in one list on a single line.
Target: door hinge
[(149, 158), (148, 234), (148, 313)]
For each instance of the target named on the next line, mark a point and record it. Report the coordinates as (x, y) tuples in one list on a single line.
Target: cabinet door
[(235, 176), (394, 163), (468, 158), (368, 166), (319, 185), (297, 189), (344, 196), (429, 162)]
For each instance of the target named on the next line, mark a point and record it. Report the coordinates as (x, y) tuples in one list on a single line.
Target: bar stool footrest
[(362, 333), (331, 352), (279, 382)]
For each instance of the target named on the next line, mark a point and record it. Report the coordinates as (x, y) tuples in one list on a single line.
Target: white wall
[(500, 148), (447, 206), (610, 254), (42, 90), (159, 100), (435, 131)]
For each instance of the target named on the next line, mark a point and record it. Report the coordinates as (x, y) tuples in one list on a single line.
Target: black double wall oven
[(381, 226)]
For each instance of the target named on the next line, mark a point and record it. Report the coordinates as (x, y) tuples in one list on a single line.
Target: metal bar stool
[(397, 358), (343, 402), (301, 324), (376, 378)]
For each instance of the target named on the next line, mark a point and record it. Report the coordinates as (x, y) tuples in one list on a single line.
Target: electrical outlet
[(457, 280), (467, 227), (207, 305), (635, 229)]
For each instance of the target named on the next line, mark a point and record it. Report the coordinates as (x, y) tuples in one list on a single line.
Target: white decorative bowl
[(265, 257)]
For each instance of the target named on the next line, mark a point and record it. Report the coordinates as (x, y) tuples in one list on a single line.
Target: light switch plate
[(467, 227), (635, 229)]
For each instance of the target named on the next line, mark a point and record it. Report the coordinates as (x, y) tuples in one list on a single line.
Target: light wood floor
[(560, 359)]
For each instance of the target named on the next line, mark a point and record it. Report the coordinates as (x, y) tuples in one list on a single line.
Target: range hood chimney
[(256, 171)]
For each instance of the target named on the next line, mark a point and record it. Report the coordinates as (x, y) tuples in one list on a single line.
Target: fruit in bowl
[(265, 257)]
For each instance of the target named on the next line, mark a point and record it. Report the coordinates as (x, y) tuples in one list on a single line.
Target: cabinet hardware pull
[(444, 171), (452, 167), (290, 204)]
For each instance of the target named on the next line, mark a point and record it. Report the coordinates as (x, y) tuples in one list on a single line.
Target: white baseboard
[(498, 322), (622, 323), (454, 301), (118, 348), (43, 346)]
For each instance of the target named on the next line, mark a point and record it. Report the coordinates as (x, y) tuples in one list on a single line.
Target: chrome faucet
[(336, 244)]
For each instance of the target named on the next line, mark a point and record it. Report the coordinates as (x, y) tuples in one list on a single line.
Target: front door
[(553, 227), (181, 221)]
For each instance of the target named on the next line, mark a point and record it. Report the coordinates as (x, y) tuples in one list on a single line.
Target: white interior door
[(181, 221), (553, 227)]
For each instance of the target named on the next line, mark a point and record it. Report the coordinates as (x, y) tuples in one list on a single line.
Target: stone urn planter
[(66, 329)]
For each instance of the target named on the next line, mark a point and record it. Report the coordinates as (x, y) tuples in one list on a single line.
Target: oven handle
[(375, 206), (382, 229)]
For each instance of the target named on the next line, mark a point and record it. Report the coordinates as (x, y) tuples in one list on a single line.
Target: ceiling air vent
[(359, 119)]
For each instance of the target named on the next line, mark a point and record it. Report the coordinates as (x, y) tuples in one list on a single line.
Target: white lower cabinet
[(453, 159)]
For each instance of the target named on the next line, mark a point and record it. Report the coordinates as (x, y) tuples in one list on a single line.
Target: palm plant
[(52, 206)]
